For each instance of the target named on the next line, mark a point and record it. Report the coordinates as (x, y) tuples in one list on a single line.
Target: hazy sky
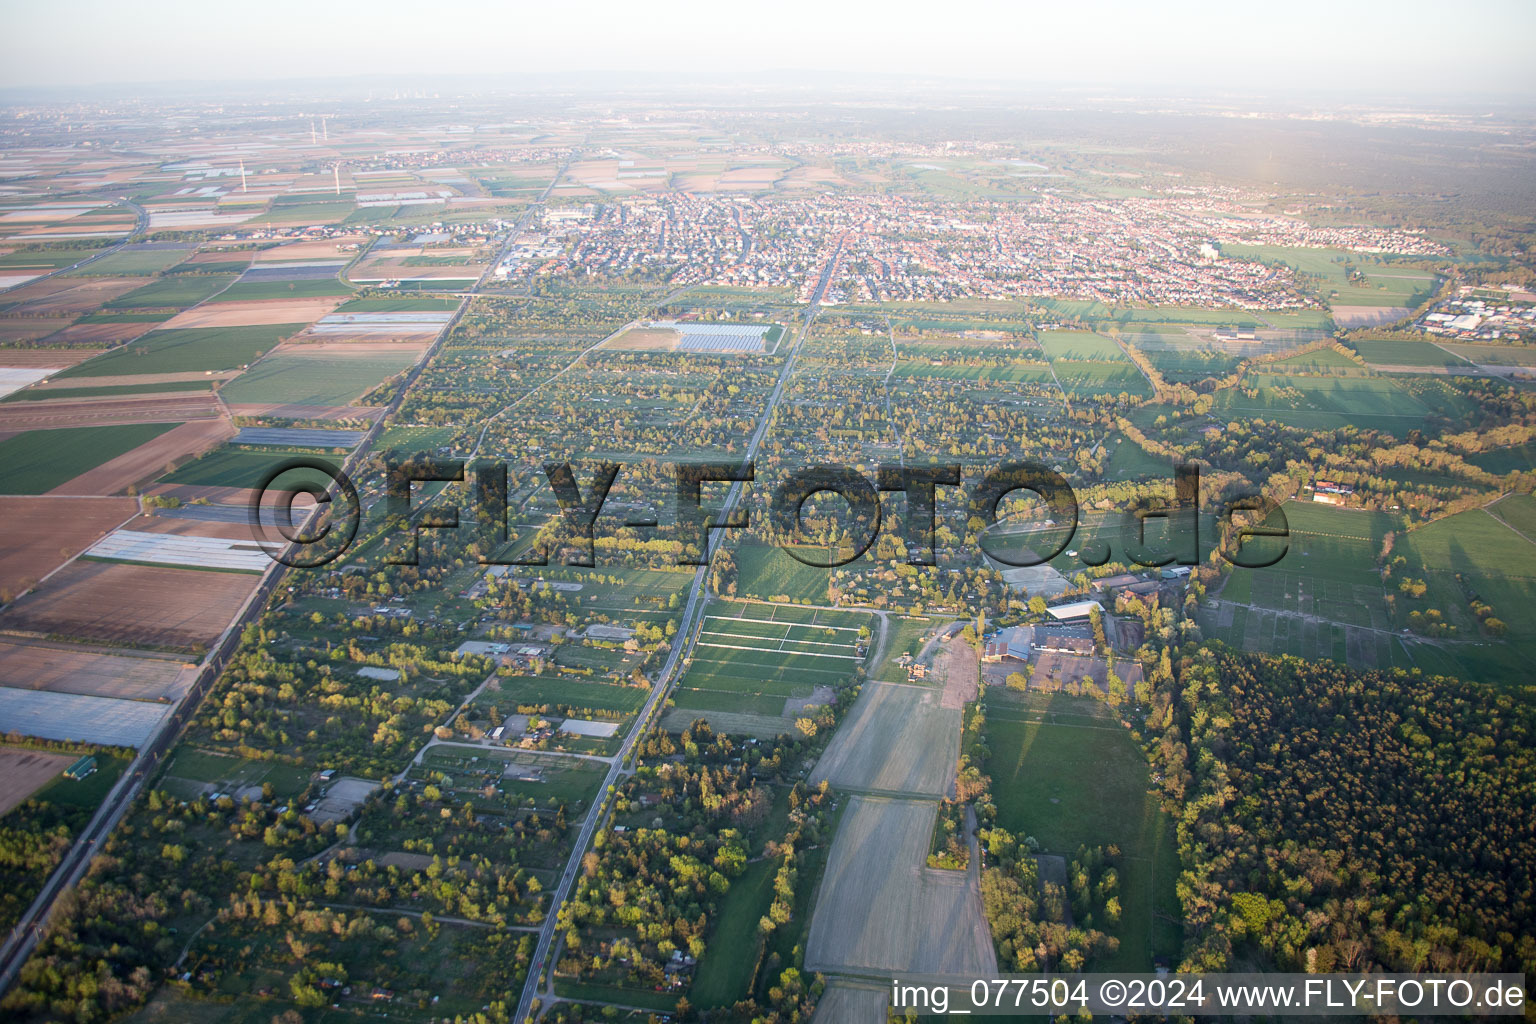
[(1378, 46)]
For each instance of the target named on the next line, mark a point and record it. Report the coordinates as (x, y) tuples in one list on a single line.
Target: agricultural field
[(910, 721), (39, 460), (192, 773), (179, 291), (1090, 365), (232, 467), (904, 635), (1324, 600), (332, 377), (261, 290), (767, 571), (42, 532), (1379, 283), (1068, 773), (193, 348), (1324, 403), (24, 772), (1408, 354), (881, 908), (132, 261), (132, 605), (140, 676)]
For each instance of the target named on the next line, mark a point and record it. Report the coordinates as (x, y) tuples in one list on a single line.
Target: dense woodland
[(1332, 819)]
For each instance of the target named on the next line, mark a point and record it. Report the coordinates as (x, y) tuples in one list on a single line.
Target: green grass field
[(36, 395), (402, 304), (1089, 380), (905, 637), (133, 263), (1513, 459), (1081, 346), (1406, 353), (1325, 403), (44, 260), (725, 972), (765, 570), (415, 439), (1130, 461), (255, 291), (1190, 364), (233, 773), (191, 348), (576, 693), (233, 467), (315, 380), (181, 290), (40, 460), (1064, 771), (1323, 360), (1384, 284), (748, 659)]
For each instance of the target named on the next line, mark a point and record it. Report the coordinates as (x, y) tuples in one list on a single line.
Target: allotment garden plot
[(766, 659)]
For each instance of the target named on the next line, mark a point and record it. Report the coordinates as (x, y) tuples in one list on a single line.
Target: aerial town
[(552, 552)]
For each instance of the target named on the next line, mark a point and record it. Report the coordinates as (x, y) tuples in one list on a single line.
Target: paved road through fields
[(540, 977)]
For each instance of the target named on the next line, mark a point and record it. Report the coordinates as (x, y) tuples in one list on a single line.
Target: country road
[(540, 980), (30, 926)]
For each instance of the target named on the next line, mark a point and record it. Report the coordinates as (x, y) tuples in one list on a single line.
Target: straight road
[(540, 979), (72, 867)]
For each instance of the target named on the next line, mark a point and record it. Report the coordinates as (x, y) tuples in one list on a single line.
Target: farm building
[(1124, 579), (81, 768), (1064, 639), (1075, 610), (1016, 642)]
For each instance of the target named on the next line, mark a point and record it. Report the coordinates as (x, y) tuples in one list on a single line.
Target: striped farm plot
[(749, 659), (181, 550), (383, 323), (300, 437)]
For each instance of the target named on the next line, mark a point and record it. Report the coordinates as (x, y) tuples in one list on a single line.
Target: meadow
[(1380, 352), (132, 263), (1066, 772), (1383, 284), (1325, 403), (767, 571)]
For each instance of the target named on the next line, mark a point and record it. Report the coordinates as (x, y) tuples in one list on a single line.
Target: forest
[(1336, 819)]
